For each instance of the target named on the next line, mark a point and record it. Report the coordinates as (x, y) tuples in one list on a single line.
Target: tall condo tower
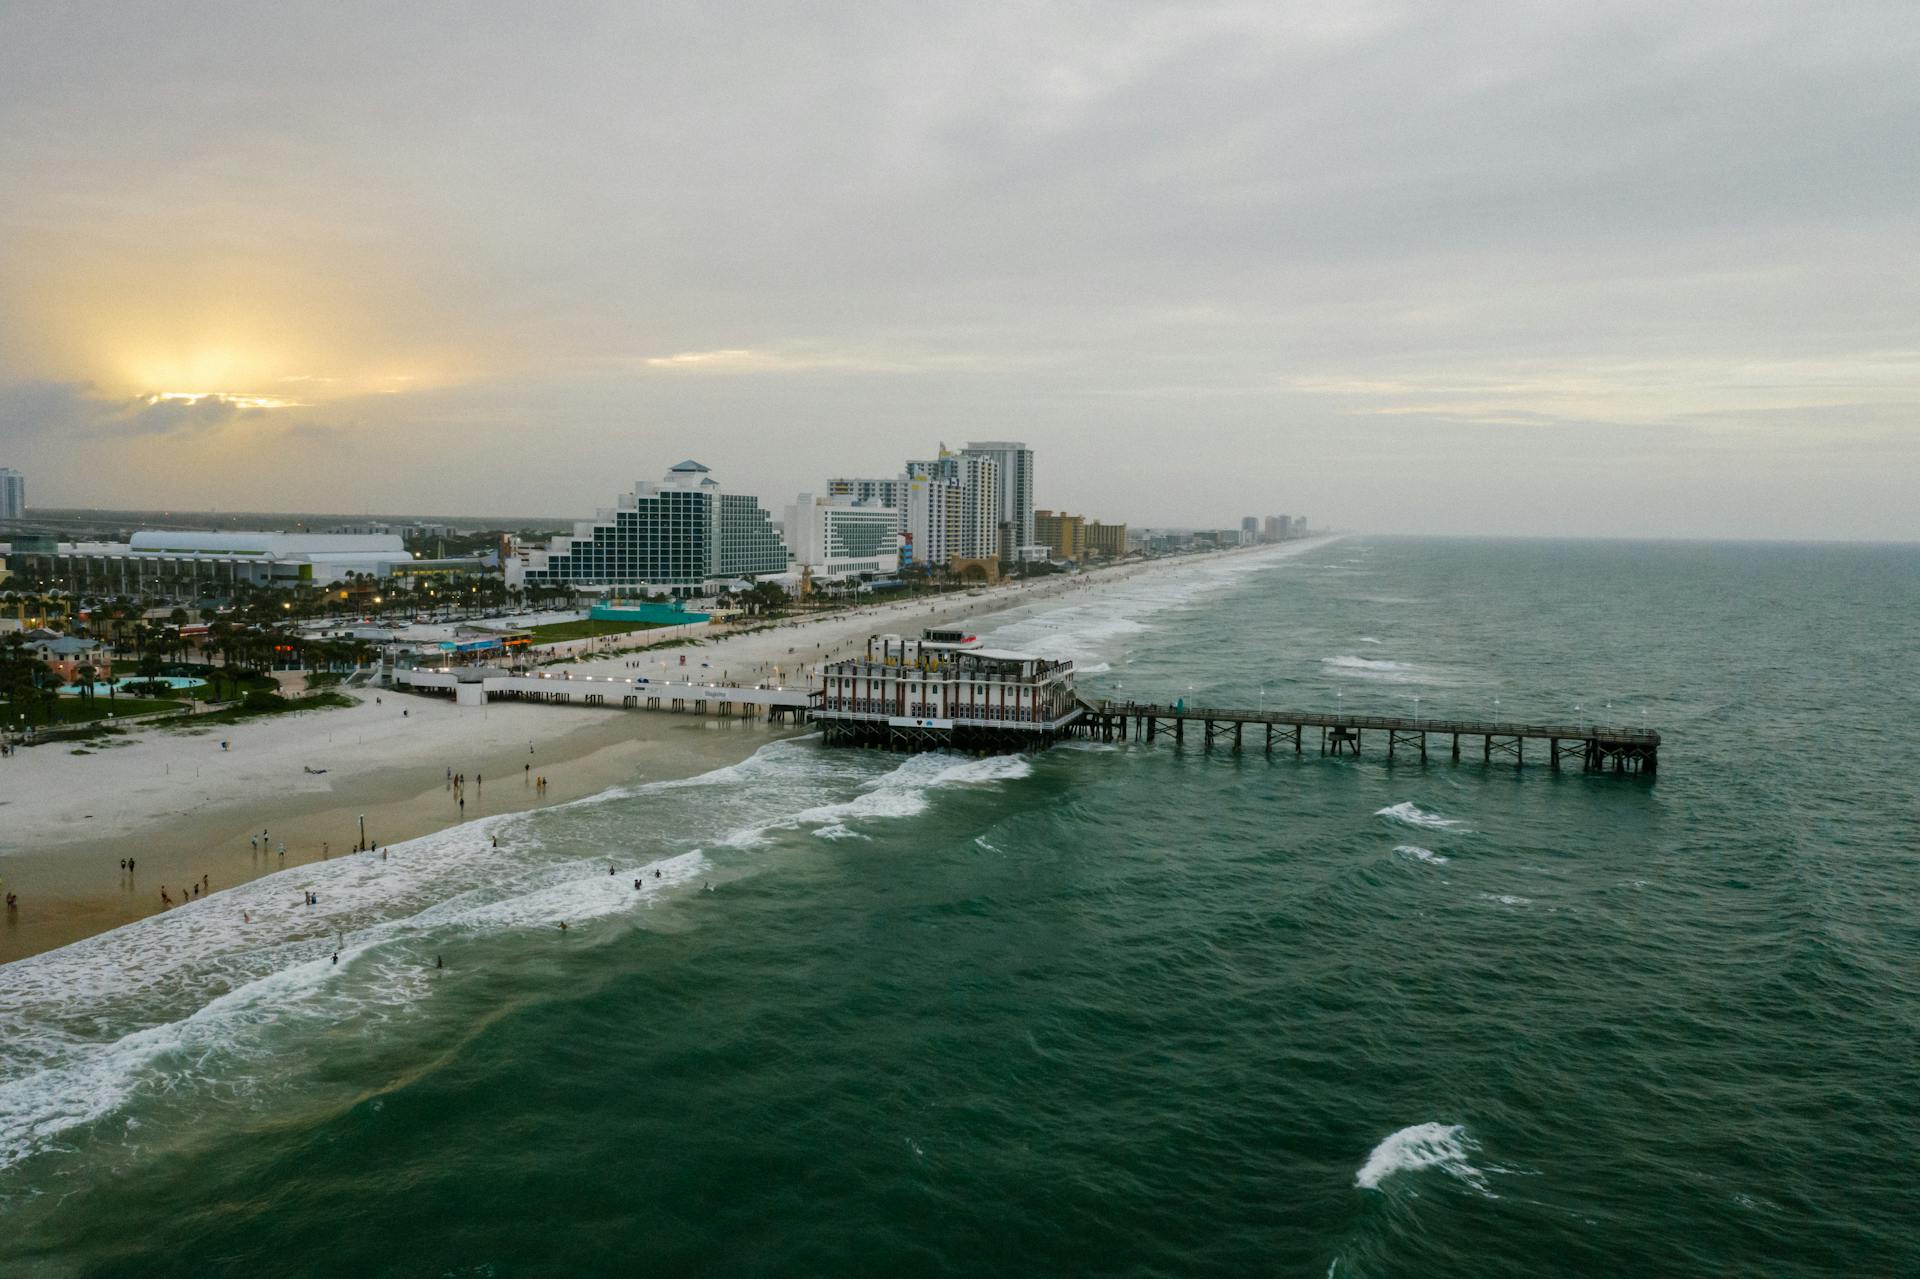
[(13, 494), (1014, 461)]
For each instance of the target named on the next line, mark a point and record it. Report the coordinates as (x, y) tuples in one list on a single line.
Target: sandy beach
[(183, 808)]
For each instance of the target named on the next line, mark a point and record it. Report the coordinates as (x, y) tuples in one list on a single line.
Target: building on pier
[(945, 690)]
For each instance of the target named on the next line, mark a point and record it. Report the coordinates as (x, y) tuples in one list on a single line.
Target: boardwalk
[(1597, 748), (475, 686)]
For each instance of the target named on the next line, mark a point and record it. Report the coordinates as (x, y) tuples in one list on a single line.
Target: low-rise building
[(186, 565), (66, 654)]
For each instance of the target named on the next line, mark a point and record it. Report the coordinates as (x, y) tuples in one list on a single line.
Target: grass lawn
[(586, 628), (255, 705), (83, 710)]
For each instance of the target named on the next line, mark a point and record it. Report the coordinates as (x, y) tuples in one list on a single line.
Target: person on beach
[(164, 899), (256, 843), (563, 925), (438, 962), (123, 863), (636, 884), (336, 958), (130, 864), (246, 917)]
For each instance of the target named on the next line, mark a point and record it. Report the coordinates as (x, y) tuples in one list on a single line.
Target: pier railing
[(1598, 747)]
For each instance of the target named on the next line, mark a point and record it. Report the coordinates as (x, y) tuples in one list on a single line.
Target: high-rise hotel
[(13, 494), (682, 535)]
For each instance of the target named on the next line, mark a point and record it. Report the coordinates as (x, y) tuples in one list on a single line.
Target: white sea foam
[(77, 1082), (1368, 639), (903, 792), (1506, 899), (1364, 665), (1413, 815), (1421, 854), (838, 831), (1422, 1146)]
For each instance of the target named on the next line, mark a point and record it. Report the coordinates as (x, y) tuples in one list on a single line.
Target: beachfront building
[(64, 655), (875, 492), (683, 535), (840, 537), (1106, 541), (945, 690), (188, 565), (13, 494), (1013, 464), (973, 498), (1064, 535)]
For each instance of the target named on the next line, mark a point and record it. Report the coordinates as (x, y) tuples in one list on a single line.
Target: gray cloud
[(1374, 261)]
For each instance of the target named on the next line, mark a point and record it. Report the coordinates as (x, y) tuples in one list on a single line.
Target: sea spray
[(1422, 1146), (1412, 814)]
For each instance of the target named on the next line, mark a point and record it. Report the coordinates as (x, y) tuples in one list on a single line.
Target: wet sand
[(77, 889)]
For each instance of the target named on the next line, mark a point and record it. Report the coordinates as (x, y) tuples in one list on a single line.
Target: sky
[(1554, 268)]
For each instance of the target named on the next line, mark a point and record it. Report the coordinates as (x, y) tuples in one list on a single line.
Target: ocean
[(1120, 1009)]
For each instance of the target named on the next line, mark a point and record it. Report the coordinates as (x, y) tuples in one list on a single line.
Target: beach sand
[(182, 807)]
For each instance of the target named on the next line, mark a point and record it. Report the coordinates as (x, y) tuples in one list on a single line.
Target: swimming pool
[(103, 689)]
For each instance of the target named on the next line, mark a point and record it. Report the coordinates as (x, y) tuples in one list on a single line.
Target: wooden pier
[(1597, 748)]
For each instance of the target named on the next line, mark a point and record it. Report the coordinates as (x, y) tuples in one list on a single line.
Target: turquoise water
[(1123, 1010), (102, 687)]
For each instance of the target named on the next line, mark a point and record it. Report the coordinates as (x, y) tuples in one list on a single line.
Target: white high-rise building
[(13, 494), (840, 537), (933, 521), (683, 534), (976, 533), (890, 492), (1015, 463)]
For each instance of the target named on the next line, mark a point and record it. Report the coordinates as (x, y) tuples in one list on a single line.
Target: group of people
[(203, 885)]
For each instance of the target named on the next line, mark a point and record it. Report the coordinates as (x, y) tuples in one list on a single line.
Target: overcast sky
[(1521, 268)]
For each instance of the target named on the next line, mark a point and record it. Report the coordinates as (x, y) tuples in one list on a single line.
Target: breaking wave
[(1422, 1146), (1420, 854), (1365, 665), (1413, 815)]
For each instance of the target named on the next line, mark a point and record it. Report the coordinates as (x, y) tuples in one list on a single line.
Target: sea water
[(1116, 1008)]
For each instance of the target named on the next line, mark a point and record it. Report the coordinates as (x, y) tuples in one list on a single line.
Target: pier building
[(945, 690)]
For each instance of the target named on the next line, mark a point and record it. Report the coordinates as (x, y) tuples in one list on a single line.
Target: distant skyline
[(1638, 269)]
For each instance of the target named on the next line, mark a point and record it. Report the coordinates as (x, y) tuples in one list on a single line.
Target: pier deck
[(1598, 748), (474, 686)]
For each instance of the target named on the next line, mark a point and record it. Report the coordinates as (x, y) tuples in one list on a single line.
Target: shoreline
[(182, 807)]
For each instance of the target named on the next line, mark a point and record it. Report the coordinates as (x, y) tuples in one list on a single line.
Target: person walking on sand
[(164, 899)]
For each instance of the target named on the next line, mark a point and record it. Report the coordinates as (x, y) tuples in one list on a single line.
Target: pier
[(1595, 748), (476, 686)]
